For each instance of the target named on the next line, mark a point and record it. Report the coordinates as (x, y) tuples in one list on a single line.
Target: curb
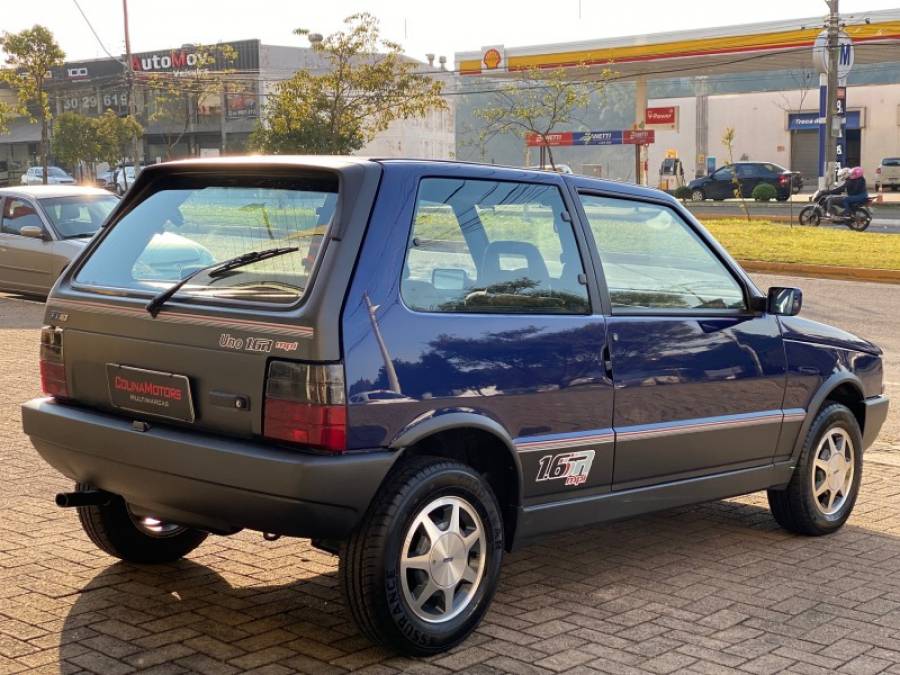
[(823, 271)]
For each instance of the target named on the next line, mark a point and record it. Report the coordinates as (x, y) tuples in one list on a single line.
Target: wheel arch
[(845, 388), (478, 441)]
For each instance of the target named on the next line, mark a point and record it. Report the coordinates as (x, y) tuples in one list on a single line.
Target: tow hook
[(270, 536), (85, 498)]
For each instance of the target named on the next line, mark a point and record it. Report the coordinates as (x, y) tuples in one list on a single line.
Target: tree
[(538, 102), (728, 141), (76, 139), (178, 98), (366, 84), (115, 135), (30, 55)]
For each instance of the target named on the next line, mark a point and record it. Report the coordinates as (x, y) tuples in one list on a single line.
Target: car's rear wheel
[(419, 572), (116, 530), (825, 484)]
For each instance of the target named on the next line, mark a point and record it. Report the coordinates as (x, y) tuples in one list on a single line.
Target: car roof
[(51, 191), (339, 162)]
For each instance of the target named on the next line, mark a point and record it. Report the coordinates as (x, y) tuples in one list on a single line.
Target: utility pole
[(132, 110), (831, 97)]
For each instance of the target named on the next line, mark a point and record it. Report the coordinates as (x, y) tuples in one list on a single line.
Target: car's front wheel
[(419, 572), (825, 484), (697, 195)]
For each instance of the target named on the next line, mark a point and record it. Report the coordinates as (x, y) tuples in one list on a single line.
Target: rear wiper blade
[(216, 270)]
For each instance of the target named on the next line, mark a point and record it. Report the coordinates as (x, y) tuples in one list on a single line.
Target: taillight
[(53, 368), (305, 404), (878, 171), (784, 179)]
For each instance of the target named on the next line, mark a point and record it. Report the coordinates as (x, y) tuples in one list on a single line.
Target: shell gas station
[(688, 87)]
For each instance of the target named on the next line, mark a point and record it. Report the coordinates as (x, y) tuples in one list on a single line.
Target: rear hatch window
[(194, 222), (890, 161)]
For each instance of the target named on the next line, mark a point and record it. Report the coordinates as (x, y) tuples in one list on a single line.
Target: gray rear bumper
[(205, 481)]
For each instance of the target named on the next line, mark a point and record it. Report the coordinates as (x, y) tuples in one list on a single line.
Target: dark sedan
[(724, 183)]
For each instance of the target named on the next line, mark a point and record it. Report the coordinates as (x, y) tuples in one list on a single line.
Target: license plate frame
[(150, 392)]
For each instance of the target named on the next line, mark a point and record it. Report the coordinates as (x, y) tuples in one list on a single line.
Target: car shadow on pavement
[(716, 584)]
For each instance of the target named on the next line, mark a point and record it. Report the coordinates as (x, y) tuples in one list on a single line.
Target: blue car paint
[(690, 395)]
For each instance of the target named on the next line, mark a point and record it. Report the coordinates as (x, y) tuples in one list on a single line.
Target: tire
[(381, 594), (697, 195), (114, 530), (782, 198), (860, 219), (797, 508), (810, 215)]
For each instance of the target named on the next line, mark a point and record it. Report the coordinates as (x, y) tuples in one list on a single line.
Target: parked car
[(123, 177), (55, 176), (888, 174), (420, 365), (721, 184), (42, 228), (106, 180)]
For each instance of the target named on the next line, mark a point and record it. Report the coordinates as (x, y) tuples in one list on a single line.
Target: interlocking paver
[(715, 588)]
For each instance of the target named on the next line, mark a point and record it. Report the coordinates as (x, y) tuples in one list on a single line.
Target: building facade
[(183, 116)]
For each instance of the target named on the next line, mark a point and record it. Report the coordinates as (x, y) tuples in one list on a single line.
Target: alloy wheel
[(443, 559), (833, 470)]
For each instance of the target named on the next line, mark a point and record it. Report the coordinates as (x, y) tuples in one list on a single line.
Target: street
[(699, 589), (885, 218)]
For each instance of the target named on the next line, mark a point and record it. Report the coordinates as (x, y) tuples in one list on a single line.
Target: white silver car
[(55, 176), (44, 227)]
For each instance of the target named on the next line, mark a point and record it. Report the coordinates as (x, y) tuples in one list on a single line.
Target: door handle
[(607, 362)]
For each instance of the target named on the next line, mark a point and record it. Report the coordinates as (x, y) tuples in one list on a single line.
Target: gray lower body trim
[(579, 511)]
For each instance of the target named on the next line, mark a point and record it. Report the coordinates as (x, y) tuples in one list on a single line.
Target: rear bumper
[(876, 414), (204, 481)]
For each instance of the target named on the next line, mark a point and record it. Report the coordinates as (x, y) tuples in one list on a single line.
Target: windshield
[(78, 216), (177, 231), (55, 171)]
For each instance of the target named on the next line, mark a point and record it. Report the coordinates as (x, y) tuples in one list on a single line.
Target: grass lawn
[(776, 242)]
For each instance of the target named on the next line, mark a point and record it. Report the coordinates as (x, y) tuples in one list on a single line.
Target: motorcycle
[(856, 218)]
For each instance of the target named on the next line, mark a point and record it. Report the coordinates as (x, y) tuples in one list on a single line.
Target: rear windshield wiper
[(216, 270)]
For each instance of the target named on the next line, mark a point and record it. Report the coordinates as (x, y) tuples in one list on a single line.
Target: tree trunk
[(43, 149)]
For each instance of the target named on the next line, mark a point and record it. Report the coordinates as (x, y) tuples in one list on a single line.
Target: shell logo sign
[(493, 58)]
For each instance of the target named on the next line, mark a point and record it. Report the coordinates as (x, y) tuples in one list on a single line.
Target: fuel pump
[(671, 174)]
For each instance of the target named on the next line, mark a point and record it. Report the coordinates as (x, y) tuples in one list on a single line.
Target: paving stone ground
[(716, 588)]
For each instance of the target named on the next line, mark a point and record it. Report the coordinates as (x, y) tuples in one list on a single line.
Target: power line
[(96, 36)]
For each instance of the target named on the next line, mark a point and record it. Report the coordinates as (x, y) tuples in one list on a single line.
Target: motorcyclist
[(840, 183), (855, 187)]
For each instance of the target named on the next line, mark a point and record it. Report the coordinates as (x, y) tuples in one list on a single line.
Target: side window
[(652, 259), (492, 247), (17, 214), (725, 173), (747, 171)]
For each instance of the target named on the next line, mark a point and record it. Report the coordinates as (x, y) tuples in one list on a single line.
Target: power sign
[(845, 54)]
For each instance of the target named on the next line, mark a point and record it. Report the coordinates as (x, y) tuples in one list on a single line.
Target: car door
[(699, 378), (749, 176), (721, 184), (25, 262)]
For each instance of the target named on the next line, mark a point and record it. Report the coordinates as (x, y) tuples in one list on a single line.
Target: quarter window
[(492, 247), (652, 259)]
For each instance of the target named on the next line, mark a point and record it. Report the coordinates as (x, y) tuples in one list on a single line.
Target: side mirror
[(784, 301), (32, 231)]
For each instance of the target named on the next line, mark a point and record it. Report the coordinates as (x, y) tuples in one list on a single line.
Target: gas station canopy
[(781, 45)]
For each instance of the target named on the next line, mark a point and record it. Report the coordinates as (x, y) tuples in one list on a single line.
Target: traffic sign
[(845, 54)]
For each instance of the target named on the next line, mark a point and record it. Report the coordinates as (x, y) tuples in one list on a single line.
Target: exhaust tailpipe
[(86, 498)]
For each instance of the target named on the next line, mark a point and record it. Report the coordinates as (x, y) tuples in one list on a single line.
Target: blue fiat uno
[(421, 365)]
